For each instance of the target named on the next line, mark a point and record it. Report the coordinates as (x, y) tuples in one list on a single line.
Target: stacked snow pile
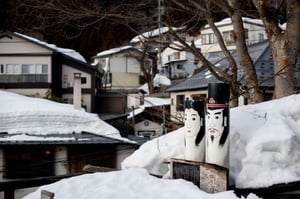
[(264, 145), (128, 184), (35, 116)]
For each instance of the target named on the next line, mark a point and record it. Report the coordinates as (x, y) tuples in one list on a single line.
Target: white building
[(120, 67), (254, 32), (177, 62)]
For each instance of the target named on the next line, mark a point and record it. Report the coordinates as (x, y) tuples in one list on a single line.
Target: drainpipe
[(2, 164), (77, 91)]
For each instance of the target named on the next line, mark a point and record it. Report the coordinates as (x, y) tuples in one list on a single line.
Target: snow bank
[(264, 145), (35, 116), (127, 184)]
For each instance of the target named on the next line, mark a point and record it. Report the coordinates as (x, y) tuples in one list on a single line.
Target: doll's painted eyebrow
[(216, 113)]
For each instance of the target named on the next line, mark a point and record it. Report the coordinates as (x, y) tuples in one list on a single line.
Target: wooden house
[(33, 67)]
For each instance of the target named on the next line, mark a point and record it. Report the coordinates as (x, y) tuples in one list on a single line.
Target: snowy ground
[(264, 150), (134, 183), (264, 145)]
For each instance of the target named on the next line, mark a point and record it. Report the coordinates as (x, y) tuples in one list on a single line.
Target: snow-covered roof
[(113, 51), (28, 118), (150, 102), (152, 33), (227, 21), (69, 52), (161, 80)]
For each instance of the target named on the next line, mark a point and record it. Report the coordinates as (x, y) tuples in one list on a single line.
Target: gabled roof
[(113, 51), (262, 59), (153, 33), (65, 51)]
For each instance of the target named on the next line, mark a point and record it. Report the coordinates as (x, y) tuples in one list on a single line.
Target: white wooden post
[(61, 160), (77, 91)]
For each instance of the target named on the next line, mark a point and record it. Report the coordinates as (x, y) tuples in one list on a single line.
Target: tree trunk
[(285, 44), (245, 60), (284, 69)]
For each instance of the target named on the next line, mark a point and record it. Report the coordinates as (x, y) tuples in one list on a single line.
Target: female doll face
[(192, 122)]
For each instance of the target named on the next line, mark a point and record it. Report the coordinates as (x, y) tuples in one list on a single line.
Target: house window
[(18, 73), (209, 38), (179, 102), (228, 37), (179, 66), (34, 68), (260, 37), (177, 55), (13, 69)]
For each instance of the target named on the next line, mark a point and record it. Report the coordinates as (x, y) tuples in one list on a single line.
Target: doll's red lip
[(189, 131)]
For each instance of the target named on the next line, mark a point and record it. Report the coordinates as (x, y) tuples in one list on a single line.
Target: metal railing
[(23, 78)]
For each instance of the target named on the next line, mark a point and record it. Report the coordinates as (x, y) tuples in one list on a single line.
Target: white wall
[(123, 63), (187, 94), (133, 99), (68, 77), (86, 100), (253, 32), (18, 45), (125, 80), (186, 59)]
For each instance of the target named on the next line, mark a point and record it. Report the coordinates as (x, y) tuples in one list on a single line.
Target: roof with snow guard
[(153, 33), (113, 51), (70, 53), (263, 62), (57, 139)]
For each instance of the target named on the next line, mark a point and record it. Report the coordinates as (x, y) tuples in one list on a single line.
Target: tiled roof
[(262, 59)]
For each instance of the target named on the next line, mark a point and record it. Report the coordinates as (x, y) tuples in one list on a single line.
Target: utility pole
[(160, 12)]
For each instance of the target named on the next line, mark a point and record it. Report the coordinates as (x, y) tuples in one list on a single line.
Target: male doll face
[(215, 123)]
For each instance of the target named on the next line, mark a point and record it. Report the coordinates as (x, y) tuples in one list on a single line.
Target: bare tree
[(73, 16), (284, 43), (206, 11)]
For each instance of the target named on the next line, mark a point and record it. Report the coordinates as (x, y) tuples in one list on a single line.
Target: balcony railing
[(24, 78)]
